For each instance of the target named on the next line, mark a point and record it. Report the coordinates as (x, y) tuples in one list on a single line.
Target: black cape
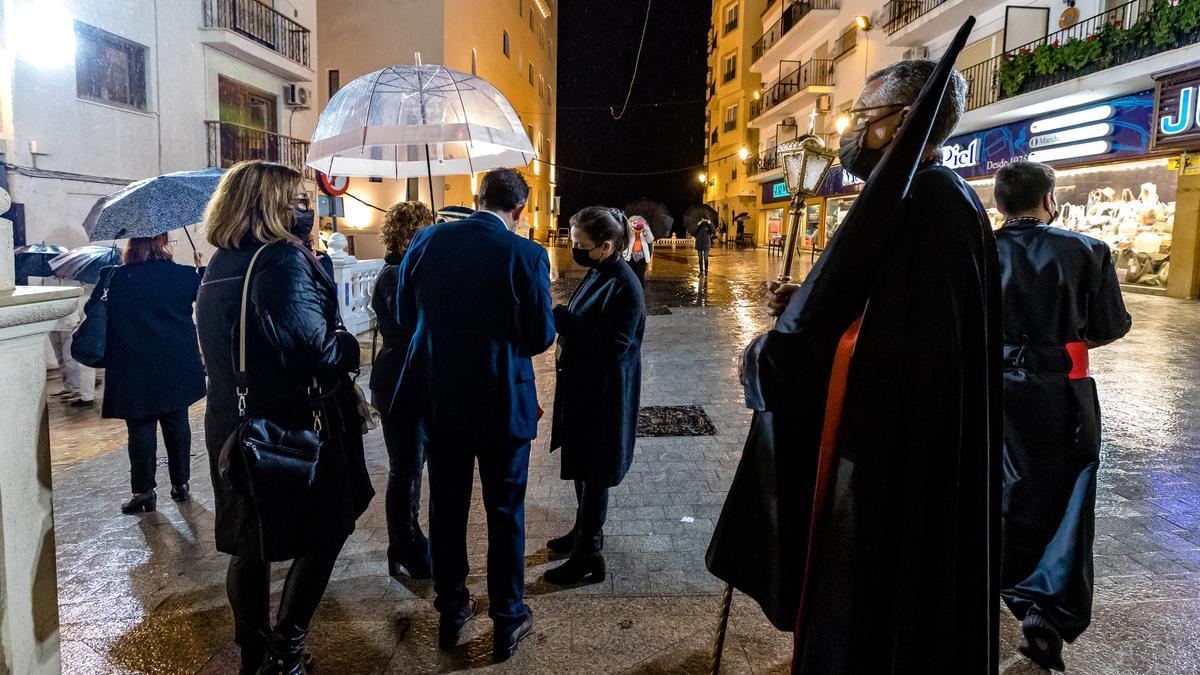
[(912, 531), (1059, 287)]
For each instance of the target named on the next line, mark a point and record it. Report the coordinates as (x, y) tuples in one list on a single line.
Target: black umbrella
[(34, 260), (656, 214), (83, 264), (695, 214)]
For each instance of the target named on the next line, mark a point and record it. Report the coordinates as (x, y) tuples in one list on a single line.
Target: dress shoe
[(450, 625), (1042, 644), (576, 569), (143, 502), (80, 403), (181, 493), (563, 544), (505, 640)]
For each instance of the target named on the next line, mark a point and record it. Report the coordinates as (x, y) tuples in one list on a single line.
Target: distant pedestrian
[(478, 300), (640, 249), (293, 341), (408, 548), (78, 381), (704, 238), (597, 393), (152, 362), (1060, 299)]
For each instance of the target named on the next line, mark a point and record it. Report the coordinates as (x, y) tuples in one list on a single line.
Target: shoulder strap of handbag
[(243, 379)]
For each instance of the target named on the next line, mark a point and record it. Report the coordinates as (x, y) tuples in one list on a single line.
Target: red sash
[(1078, 351)]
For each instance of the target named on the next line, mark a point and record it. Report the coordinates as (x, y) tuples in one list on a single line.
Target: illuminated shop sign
[(779, 190), (1112, 129), (775, 192), (1177, 116)]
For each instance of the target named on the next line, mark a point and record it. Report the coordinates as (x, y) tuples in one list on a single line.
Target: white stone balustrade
[(355, 280)]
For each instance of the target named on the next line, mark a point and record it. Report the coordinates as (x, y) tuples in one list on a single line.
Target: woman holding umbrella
[(152, 362)]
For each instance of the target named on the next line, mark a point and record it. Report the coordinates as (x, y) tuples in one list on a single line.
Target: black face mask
[(855, 157), (582, 258), (302, 223)]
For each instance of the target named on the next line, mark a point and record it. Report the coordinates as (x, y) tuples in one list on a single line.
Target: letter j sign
[(1177, 110), (1184, 117)]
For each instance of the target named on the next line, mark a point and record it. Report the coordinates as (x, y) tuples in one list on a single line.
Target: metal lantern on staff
[(806, 161)]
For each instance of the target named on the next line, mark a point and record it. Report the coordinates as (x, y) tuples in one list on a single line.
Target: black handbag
[(90, 339), (261, 459)]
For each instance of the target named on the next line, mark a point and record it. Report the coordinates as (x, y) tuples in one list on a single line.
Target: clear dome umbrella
[(422, 120)]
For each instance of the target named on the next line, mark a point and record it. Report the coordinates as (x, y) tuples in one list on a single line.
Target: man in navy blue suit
[(478, 299)]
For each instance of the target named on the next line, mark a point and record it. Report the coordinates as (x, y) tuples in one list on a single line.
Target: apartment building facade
[(98, 93), (730, 93), (1105, 91), (510, 43)]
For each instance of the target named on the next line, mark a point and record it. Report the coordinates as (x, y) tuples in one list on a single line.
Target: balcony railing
[(230, 143), (768, 160), (792, 14), (261, 24), (729, 125), (1102, 41), (816, 72), (899, 13), (845, 43), (731, 26)]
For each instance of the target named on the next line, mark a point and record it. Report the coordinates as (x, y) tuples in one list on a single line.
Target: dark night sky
[(598, 43)]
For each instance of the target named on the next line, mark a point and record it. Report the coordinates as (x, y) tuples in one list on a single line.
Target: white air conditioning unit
[(824, 104), (916, 53), (295, 96)]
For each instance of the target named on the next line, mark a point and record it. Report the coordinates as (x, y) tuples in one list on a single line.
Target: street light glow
[(43, 34), (743, 153), (841, 124), (703, 177), (864, 22)]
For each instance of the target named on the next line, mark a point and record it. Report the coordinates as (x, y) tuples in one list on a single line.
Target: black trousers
[(248, 585), (589, 517), (406, 459), (639, 269), (503, 471), (703, 255), (143, 446)]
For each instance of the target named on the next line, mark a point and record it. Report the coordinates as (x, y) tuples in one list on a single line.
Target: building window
[(529, 128), (542, 36), (412, 189), (550, 94), (109, 68), (550, 49), (531, 28), (729, 67), (473, 62), (531, 73), (541, 87), (731, 118), (731, 17), (520, 7), (335, 81), (507, 50)]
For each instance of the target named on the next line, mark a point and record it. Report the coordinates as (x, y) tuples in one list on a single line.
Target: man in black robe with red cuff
[(1060, 298), (888, 359)]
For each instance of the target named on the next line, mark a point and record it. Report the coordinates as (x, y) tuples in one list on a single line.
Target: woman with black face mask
[(597, 391), (303, 221)]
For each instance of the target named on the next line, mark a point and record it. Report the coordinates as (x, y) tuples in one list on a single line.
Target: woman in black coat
[(408, 548), (599, 385), (292, 336), (151, 362)]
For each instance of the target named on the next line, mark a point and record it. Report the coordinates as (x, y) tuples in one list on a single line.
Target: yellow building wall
[(727, 189)]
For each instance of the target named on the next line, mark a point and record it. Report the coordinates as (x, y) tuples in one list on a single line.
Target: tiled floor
[(147, 594)]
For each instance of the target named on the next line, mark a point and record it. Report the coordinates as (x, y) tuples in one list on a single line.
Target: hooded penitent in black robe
[(1060, 288), (894, 567)]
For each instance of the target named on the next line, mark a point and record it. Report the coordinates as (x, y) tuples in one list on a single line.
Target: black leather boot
[(413, 561), (1042, 644), (285, 653), (562, 545), (181, 493), (576, 569), (143, 502)]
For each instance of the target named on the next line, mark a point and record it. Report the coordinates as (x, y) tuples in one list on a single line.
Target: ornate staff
[(806, 161)]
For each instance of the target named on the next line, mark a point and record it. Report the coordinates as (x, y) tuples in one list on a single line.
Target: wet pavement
[(146, 594)]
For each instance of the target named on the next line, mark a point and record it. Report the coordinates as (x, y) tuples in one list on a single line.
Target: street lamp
[(863, 22), (703, 177), (806, 161)]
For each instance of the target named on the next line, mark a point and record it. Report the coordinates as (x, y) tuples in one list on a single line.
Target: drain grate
[(674, 420)]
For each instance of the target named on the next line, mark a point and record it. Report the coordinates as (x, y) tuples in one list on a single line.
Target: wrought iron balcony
[(845, 43), (812, 73), (1015, 72), (261, 24), (230, 143), (792, 14), (899, 13)]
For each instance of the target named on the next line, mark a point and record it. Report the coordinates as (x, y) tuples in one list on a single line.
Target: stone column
[(29, 640)]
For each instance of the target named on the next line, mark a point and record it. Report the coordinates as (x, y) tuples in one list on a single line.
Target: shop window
[(109, 68)]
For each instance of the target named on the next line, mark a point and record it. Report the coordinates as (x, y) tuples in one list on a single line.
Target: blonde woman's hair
[(254, 198), (401, 222)]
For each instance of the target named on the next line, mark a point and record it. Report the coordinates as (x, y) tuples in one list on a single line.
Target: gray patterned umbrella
[(153, 206)]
